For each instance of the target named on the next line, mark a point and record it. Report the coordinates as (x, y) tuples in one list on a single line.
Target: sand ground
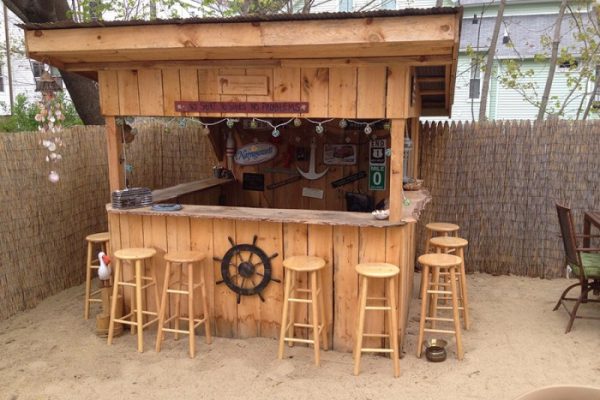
[(516, 344)]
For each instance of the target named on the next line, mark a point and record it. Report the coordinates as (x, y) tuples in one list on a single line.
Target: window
[(345, 5), (38, 68), (568, 65), (596, 93), (388, 4), (475, 81), (1, 78)]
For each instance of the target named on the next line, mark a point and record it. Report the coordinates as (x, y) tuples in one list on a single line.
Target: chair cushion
[(591, 264)]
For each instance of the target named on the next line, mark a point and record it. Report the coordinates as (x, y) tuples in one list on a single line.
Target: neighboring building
[(24, 71), (525, 21)]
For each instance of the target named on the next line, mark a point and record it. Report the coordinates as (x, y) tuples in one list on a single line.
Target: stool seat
[(100, 237), (304, 263), (448, 242), (442, 227), (135, 253), (377, 270), (439, 260), (184, 256)]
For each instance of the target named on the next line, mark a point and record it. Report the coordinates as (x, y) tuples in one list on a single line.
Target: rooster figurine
[(104, 271)]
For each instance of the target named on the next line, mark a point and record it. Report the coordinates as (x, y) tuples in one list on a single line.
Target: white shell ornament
[(276, 132), (368, 130), (53, 176), (319, 129), (297, 122)]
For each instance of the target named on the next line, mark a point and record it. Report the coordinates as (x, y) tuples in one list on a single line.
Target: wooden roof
[(425, 38)]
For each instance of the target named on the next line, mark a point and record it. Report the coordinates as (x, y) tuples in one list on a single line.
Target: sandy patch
[(516, 344)]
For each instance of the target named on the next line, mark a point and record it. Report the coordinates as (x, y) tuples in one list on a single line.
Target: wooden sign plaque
[(242, 107), (250, 85)]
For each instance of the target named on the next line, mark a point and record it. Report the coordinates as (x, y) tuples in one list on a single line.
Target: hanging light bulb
[(297, 122), (387, 126), (319, 129), (368, 129), (343, 123), (347, 139), (275, 132), (230, 123), (205, 131), (182, 123), (253, 123)]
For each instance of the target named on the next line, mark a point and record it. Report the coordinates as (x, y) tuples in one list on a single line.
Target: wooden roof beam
[(407, 35), (262, 63)]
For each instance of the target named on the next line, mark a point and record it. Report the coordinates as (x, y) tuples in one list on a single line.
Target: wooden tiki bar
[(348, 73)]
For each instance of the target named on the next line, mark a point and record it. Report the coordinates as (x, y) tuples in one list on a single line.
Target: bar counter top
[(317, 217)]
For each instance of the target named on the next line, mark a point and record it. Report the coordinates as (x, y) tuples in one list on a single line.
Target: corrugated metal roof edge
[(248, 18)]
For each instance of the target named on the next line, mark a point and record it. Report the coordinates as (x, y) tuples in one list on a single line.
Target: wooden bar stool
[(434, 229), (189, 259), (432, 288), (444, 244), (389, 272), (135, 257), (313, 266), (102, 240)]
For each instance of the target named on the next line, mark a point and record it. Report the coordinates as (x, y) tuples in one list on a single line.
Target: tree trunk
[(592, 96), (83, 91), (489, 66), (553, 58)]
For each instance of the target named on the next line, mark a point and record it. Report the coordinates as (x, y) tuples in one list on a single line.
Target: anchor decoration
[(239, 271), (312, 173)]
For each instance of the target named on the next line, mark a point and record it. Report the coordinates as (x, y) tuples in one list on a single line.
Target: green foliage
[(24, 111)]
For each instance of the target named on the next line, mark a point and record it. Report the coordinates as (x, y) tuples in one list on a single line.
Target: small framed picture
[(339, 154)]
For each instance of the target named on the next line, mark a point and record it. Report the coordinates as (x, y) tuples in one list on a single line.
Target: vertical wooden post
[(416, 142), (114, 144), (396, 173)]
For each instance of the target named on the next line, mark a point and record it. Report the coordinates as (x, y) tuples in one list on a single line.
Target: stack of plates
[(132, 198)]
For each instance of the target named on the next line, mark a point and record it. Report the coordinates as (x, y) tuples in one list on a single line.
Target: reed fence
[(500, 181), (43, 225)]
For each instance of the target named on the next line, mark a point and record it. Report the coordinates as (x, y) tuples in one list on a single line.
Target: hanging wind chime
[(49, 119)]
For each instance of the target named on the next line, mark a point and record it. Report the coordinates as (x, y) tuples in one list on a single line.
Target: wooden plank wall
[(341, 246), (290, 195), (337, 92)]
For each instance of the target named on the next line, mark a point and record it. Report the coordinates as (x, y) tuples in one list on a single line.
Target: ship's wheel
[(246, 269)]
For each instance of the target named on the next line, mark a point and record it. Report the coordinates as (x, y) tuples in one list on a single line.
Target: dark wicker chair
[(585, 263)]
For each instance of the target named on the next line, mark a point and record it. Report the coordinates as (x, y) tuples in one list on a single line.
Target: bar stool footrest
[(439, 331)]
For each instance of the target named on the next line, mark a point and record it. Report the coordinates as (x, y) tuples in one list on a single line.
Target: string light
[(204, 126)]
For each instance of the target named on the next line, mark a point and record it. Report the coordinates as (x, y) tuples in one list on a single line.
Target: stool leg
[(424, 298), (138, 300), (292, 310), (393, 326), (191, 313), (323, 317), (163, 307), (88, 281), (314, 297), (113, 303), (133, 328), (156, 293), (435, 280), (178, 300), (463, 289), (428, 236), (207, 331), (284, 313), (459, 348), (362, 304)]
